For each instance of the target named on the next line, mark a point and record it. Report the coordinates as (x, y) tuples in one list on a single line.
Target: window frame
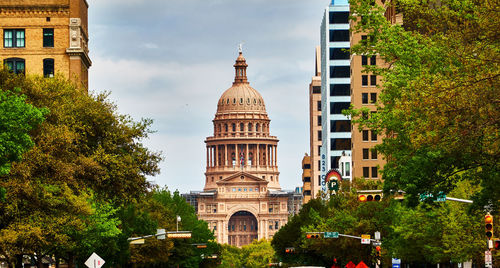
[(373, 80), (364, 98), (14, 38), (364, 80), (48, 62), (48, 37), (14, 61)]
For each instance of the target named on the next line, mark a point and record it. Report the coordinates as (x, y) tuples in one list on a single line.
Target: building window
[(319, 135), (374, 172), (339, 35), (48, 67), (373, 60), (337, 107), (15, 65), (374, 154), (319, 106), (13, 38), (373, 80), (340, 90), (319, 161), (339, 54), (233, 127), (319, 150), (364, 80), (348, 169), (48, 37), (340, 126), (366, 172), (316, 90), (364, 98), (364, 38), (340, 144), (366, 153), (274, 207), (373, 97), (340, 71), (319, 180), (339, 17), (374, 136), (211, 208), (365, 135), (319, 120), (276, 225), (364, 60)]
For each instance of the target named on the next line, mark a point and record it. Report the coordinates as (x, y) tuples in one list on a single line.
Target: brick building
[(45, 37)]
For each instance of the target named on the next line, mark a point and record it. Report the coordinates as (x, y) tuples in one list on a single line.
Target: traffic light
[(496, 244), (378, 249), (312, 236), (369, 197), (488, 225)]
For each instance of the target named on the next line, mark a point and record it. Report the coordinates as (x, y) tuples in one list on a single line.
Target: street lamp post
[(178, 220)]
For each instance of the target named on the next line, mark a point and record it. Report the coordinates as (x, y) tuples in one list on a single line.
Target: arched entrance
[(242, 228)]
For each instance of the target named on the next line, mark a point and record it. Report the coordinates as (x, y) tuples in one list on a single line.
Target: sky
[(171, 60)]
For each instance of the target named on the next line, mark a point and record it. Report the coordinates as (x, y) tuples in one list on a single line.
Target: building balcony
[(260, 168)]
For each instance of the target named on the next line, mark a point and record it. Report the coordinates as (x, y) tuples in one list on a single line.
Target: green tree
[(256, 254), (17, 119), (86, 159), (439, 104)]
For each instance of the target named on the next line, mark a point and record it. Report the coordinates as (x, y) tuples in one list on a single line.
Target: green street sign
[(331, 235), (441, 197)]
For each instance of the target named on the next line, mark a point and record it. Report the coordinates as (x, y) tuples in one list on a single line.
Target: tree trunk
[(19, 261)]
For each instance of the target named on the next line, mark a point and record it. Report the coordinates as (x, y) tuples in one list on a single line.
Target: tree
[(439, 104), (17, 119), (86, 159), (256, 254)]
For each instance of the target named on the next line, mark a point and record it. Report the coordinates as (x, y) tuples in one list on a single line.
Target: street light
[(178, 220)]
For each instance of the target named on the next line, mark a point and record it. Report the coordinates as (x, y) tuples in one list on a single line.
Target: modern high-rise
[(335, 86), (45, 37), (345, 82)]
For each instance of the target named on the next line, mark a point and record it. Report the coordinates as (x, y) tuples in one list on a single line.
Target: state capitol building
[(242, 199)]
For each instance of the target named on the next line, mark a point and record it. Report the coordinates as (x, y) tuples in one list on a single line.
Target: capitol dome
[(241, 97)]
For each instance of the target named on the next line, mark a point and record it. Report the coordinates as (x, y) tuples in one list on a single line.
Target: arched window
[(249, 126), (233, 126), (225, 127), (48, 67), (15, 65), (242, 127), (257, 127)]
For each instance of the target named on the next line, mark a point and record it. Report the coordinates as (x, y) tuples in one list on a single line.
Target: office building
[(45, 37)]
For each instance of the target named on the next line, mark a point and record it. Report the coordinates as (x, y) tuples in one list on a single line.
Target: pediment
[(242, 177)]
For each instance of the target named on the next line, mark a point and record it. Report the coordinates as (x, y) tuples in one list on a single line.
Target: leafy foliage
[(439, 103), (254, 255)]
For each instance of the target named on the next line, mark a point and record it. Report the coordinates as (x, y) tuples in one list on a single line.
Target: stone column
[(207, 156), (267, 155), (236, 155), (257, 156), (216, 156), (246, 156), (225, 154), (275, 155)]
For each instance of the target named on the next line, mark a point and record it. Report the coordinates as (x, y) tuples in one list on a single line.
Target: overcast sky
[(171, 60)]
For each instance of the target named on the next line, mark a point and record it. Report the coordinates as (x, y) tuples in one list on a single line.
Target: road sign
[(94, 261), (440, 197), (179, 235), (331, 235), (396, 261), (365, 239), (377, 244), (487, 258), (377, 235), (395, 265)]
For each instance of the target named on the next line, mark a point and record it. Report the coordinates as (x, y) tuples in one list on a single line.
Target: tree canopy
[(439, 107)]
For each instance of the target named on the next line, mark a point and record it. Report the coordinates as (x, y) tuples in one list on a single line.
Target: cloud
[(170, 60)]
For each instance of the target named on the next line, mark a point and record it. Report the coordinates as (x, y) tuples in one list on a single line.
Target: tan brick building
[(45, 37), (365, 91), (242, 198), (312, 182)]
